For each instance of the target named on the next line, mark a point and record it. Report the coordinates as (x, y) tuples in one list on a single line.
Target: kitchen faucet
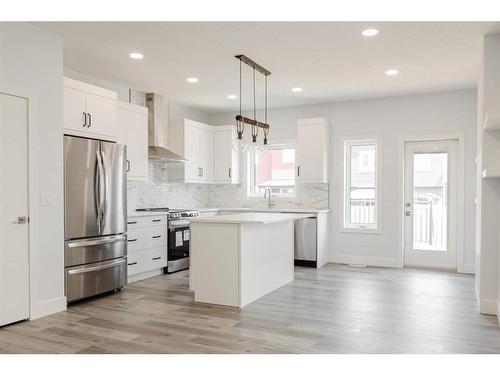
[(267, 193)]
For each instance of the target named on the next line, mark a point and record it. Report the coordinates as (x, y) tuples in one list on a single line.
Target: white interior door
[(14, 266), (430, 205)]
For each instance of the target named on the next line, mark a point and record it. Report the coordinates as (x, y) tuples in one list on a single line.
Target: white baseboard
[(468, 268), (144, 275), (489, 306), (368, 261), (48, 307)]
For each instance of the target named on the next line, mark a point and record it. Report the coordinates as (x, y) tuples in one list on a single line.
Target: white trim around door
[(461, 266)]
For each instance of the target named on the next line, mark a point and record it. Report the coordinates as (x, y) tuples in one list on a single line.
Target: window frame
[(347, 226), (250, 171)]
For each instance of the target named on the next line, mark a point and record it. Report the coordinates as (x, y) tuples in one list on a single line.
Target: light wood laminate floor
[(335, 309)]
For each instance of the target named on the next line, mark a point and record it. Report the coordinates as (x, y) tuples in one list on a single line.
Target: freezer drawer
[(89, 250), (95, 278), (306, 241)]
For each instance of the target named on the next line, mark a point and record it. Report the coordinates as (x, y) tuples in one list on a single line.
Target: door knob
[(21, 220)]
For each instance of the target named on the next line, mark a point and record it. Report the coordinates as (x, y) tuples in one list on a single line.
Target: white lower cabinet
[(147, 246)]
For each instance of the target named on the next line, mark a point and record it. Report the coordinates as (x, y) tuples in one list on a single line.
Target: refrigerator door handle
[(97, 191), (105, 188)]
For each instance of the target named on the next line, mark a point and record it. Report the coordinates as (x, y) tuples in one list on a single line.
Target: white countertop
[(250, 218), (277, 210), (145, 213)]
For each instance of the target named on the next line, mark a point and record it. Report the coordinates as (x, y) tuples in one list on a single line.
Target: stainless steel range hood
[(158, 130)]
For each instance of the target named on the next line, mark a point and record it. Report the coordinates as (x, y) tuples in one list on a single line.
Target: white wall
[(390, 118), (488, 210), (31, 64)]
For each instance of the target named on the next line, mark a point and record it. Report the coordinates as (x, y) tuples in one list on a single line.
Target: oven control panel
[(182, 215)]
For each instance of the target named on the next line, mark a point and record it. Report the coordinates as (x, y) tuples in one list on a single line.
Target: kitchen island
[(238, 258)]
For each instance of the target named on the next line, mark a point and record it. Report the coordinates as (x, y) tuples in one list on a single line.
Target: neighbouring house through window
[(274, 168)]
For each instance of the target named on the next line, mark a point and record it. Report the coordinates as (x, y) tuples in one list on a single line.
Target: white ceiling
[(329, 60)]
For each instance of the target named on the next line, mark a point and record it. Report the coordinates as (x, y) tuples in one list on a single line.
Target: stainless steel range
[(178, 237)]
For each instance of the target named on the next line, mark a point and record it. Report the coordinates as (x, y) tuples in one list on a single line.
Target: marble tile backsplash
[(230, 196), (158, 192)]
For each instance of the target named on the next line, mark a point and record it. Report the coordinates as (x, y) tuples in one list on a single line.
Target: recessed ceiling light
[(369, 32), (297, 89), (136, 56), (391, 72), (232, 96), (192, 79)]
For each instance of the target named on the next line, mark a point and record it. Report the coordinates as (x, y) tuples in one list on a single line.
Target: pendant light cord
[(266, 102), (254, 111), (240, 87)]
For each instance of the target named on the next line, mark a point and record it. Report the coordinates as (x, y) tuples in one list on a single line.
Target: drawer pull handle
[(131, 222), (157, 236), (133, 240), (96, 268), (132, 264), (156, 220), (156, 258)]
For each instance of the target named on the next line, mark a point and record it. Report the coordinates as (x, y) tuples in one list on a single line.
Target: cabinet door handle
[(230, 173), (298, 171), (131, 264), (128, 165), (90, 120), (132, 240), (156, 220), (156, 258), (131, 222), (156, 236), (84, 119)]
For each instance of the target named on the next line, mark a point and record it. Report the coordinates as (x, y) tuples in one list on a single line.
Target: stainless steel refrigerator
[(95, 222)]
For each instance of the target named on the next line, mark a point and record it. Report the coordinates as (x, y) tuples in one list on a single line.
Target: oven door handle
[(183, 225)]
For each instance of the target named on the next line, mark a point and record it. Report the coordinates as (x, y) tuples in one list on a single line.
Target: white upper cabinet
[(226, 158), (206, 155), (133, 132), (75, 110), (209, 151), (194, 141), (312, 153), (89, 111), (192, 168)]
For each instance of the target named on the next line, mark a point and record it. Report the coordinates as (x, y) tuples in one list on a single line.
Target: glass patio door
[(430, 204)]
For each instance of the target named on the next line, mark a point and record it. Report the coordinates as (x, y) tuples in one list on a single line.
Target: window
[(274, 168), (360, 181)]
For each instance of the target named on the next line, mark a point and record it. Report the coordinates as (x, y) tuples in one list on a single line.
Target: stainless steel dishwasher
[(306, 242)]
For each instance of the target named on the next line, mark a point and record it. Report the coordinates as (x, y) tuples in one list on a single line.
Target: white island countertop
[(250, 218), (305, 210)]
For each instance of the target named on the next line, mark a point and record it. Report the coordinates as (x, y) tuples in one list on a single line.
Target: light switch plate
[(44, 200)]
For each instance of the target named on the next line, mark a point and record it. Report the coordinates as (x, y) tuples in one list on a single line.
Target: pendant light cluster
[(254, 123)]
